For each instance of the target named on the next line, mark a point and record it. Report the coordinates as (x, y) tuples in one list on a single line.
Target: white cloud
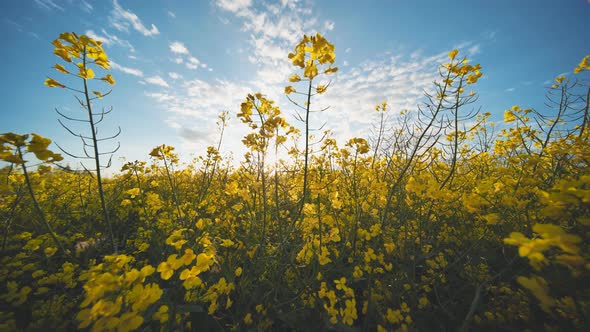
[(121, 19), (266, 49), (273, 31), (161, 97), (490, 35), (193, 135), (469, 48), (329, 25), (234, 6), (273, 8), (126, 70), (85, 6), (194, 106), (192, 63), (171, 123), (17, 26), (108, 39), (174, 76), (93, 35), (178, 48), (49, 5), (510, 89), (157, 80), (189, 61), (473, 50), (565, 73), (354, 91)]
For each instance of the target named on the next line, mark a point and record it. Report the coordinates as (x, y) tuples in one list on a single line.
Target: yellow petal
[(331, 70), (62, 53), (294, 78), (311, 70), (453, 54), (61, 69), (50, 82), (89, 73), (109, 79), (69, 37)]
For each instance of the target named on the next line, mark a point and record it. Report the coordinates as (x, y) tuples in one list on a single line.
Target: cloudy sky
[(179, 63)]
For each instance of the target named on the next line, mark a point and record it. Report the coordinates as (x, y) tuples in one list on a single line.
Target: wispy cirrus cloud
[(400, 80), (20, 28), (274, 29), (109, 39), (473, 50), (234, 6), (126, 70), (157, 80), (159, 96), (354, 91), (85, 6), (122, 19), (52, 5), (193, 105), (17, 26), (49, 5)]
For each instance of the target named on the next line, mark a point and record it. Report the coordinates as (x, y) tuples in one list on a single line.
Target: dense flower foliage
[(438, 220)]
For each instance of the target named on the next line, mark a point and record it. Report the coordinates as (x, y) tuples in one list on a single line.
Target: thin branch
[(69, 154), (69, 118)]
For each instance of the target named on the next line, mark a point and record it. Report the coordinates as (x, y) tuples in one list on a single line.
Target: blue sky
[(179, 63)]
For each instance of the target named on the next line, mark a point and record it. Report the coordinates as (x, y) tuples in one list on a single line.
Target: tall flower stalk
[(311, 54), (82, 52)]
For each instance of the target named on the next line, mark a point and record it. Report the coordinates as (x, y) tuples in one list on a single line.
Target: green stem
[(455, 139), (306, 156), (97, 160), (142, 195), (38, 208), (172, 188)]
